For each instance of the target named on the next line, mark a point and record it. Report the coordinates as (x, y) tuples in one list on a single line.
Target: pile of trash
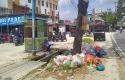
[(90, 56)]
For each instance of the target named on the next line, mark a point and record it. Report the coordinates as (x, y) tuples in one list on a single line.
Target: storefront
[(40, 32), (9, 22), (24, 23)]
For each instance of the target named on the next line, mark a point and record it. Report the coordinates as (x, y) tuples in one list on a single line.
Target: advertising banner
[(11, 20)]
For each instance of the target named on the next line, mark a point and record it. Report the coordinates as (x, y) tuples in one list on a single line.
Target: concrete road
[(13, 66), (9, 54)]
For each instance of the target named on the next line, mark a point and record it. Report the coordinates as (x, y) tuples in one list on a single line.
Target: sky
[(68, 11)]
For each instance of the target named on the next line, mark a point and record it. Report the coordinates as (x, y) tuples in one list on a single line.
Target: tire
[(16, 43)]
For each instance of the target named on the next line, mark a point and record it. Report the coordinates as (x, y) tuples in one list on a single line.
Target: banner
[(84, 22), (11, 20)]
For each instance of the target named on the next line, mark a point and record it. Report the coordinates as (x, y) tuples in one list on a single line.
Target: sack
[(100, 67)]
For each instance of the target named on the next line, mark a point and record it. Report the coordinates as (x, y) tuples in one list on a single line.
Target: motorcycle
[(17, 41), (11, 38), (2, 40)]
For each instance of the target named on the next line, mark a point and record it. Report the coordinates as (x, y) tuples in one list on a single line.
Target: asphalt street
[(119, 39)]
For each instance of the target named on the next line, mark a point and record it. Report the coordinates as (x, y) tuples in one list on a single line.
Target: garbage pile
[(90, 56)]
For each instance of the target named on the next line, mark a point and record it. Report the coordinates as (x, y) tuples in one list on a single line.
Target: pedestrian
[(120, 29)]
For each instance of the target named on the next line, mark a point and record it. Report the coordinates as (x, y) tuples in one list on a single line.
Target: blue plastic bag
[(102, 52), (100, 67), (93, 51)]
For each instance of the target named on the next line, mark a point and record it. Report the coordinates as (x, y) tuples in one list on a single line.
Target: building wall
[(4, 3), (95, 14), (25, 2), (19, 9), (51, 10)]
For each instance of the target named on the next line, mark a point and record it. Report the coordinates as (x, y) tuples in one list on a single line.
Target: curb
[(119, 52)]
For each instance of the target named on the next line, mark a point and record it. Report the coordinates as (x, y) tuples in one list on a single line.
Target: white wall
[(62, 28), (42, 10), (4, 3), (25, 2)]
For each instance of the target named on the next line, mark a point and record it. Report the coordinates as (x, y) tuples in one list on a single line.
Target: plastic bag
[(56, 62), (88, 58), (100, 67), (102, 52), (97, 48), (97, 61), (93, 51)]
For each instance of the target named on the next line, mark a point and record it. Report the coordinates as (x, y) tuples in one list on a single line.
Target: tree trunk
[(82, 11), (78, 38)]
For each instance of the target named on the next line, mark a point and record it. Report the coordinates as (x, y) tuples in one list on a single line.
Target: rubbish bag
[(88, 59), (68, 63), (100, 67), (102, 52), (97, 48), (97, 61), (93, 51)]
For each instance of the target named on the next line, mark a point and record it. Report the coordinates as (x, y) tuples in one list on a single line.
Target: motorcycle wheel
[(16, 43)]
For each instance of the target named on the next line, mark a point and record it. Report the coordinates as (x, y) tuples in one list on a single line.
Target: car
[(99, 33)]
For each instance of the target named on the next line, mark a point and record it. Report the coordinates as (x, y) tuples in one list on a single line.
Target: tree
[(108, 17), (82, 11), (120, 9)]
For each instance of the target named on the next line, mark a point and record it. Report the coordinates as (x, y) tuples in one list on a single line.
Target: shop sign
[(13, 20)]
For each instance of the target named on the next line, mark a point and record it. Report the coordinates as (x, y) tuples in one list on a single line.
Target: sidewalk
[(114, 69)]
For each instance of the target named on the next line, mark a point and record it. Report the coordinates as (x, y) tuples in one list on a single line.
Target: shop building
[(43, 7)]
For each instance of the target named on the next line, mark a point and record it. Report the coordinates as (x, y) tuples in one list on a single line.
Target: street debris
[(90, 57)]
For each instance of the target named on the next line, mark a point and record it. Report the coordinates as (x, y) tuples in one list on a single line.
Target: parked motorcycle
[(2, 40), (61, 37)]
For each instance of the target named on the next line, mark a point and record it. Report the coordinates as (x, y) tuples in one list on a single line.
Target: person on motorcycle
[(121, 29), (17, 34)]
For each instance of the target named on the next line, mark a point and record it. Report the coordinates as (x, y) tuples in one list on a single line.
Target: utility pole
[(33, 27), (81, 24), (115, 6)]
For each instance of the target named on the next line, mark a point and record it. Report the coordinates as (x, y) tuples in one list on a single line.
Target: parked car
[(99, 33)]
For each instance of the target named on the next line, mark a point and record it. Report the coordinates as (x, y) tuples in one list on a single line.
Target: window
[(56, 7), (42, 3), (50, 5), (53, 6), (45, 11), (29, 1), (47, 4), (38, 2)]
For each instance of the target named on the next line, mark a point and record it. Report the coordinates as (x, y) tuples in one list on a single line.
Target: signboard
[(89, 18), (67, 22), (97, 10), (11, 20), (84, 22)]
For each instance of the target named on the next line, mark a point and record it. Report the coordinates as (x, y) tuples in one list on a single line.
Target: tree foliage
[(120, 9), (109, 17)]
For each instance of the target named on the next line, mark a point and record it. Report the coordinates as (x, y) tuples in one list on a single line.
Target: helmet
[(16, 28)]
